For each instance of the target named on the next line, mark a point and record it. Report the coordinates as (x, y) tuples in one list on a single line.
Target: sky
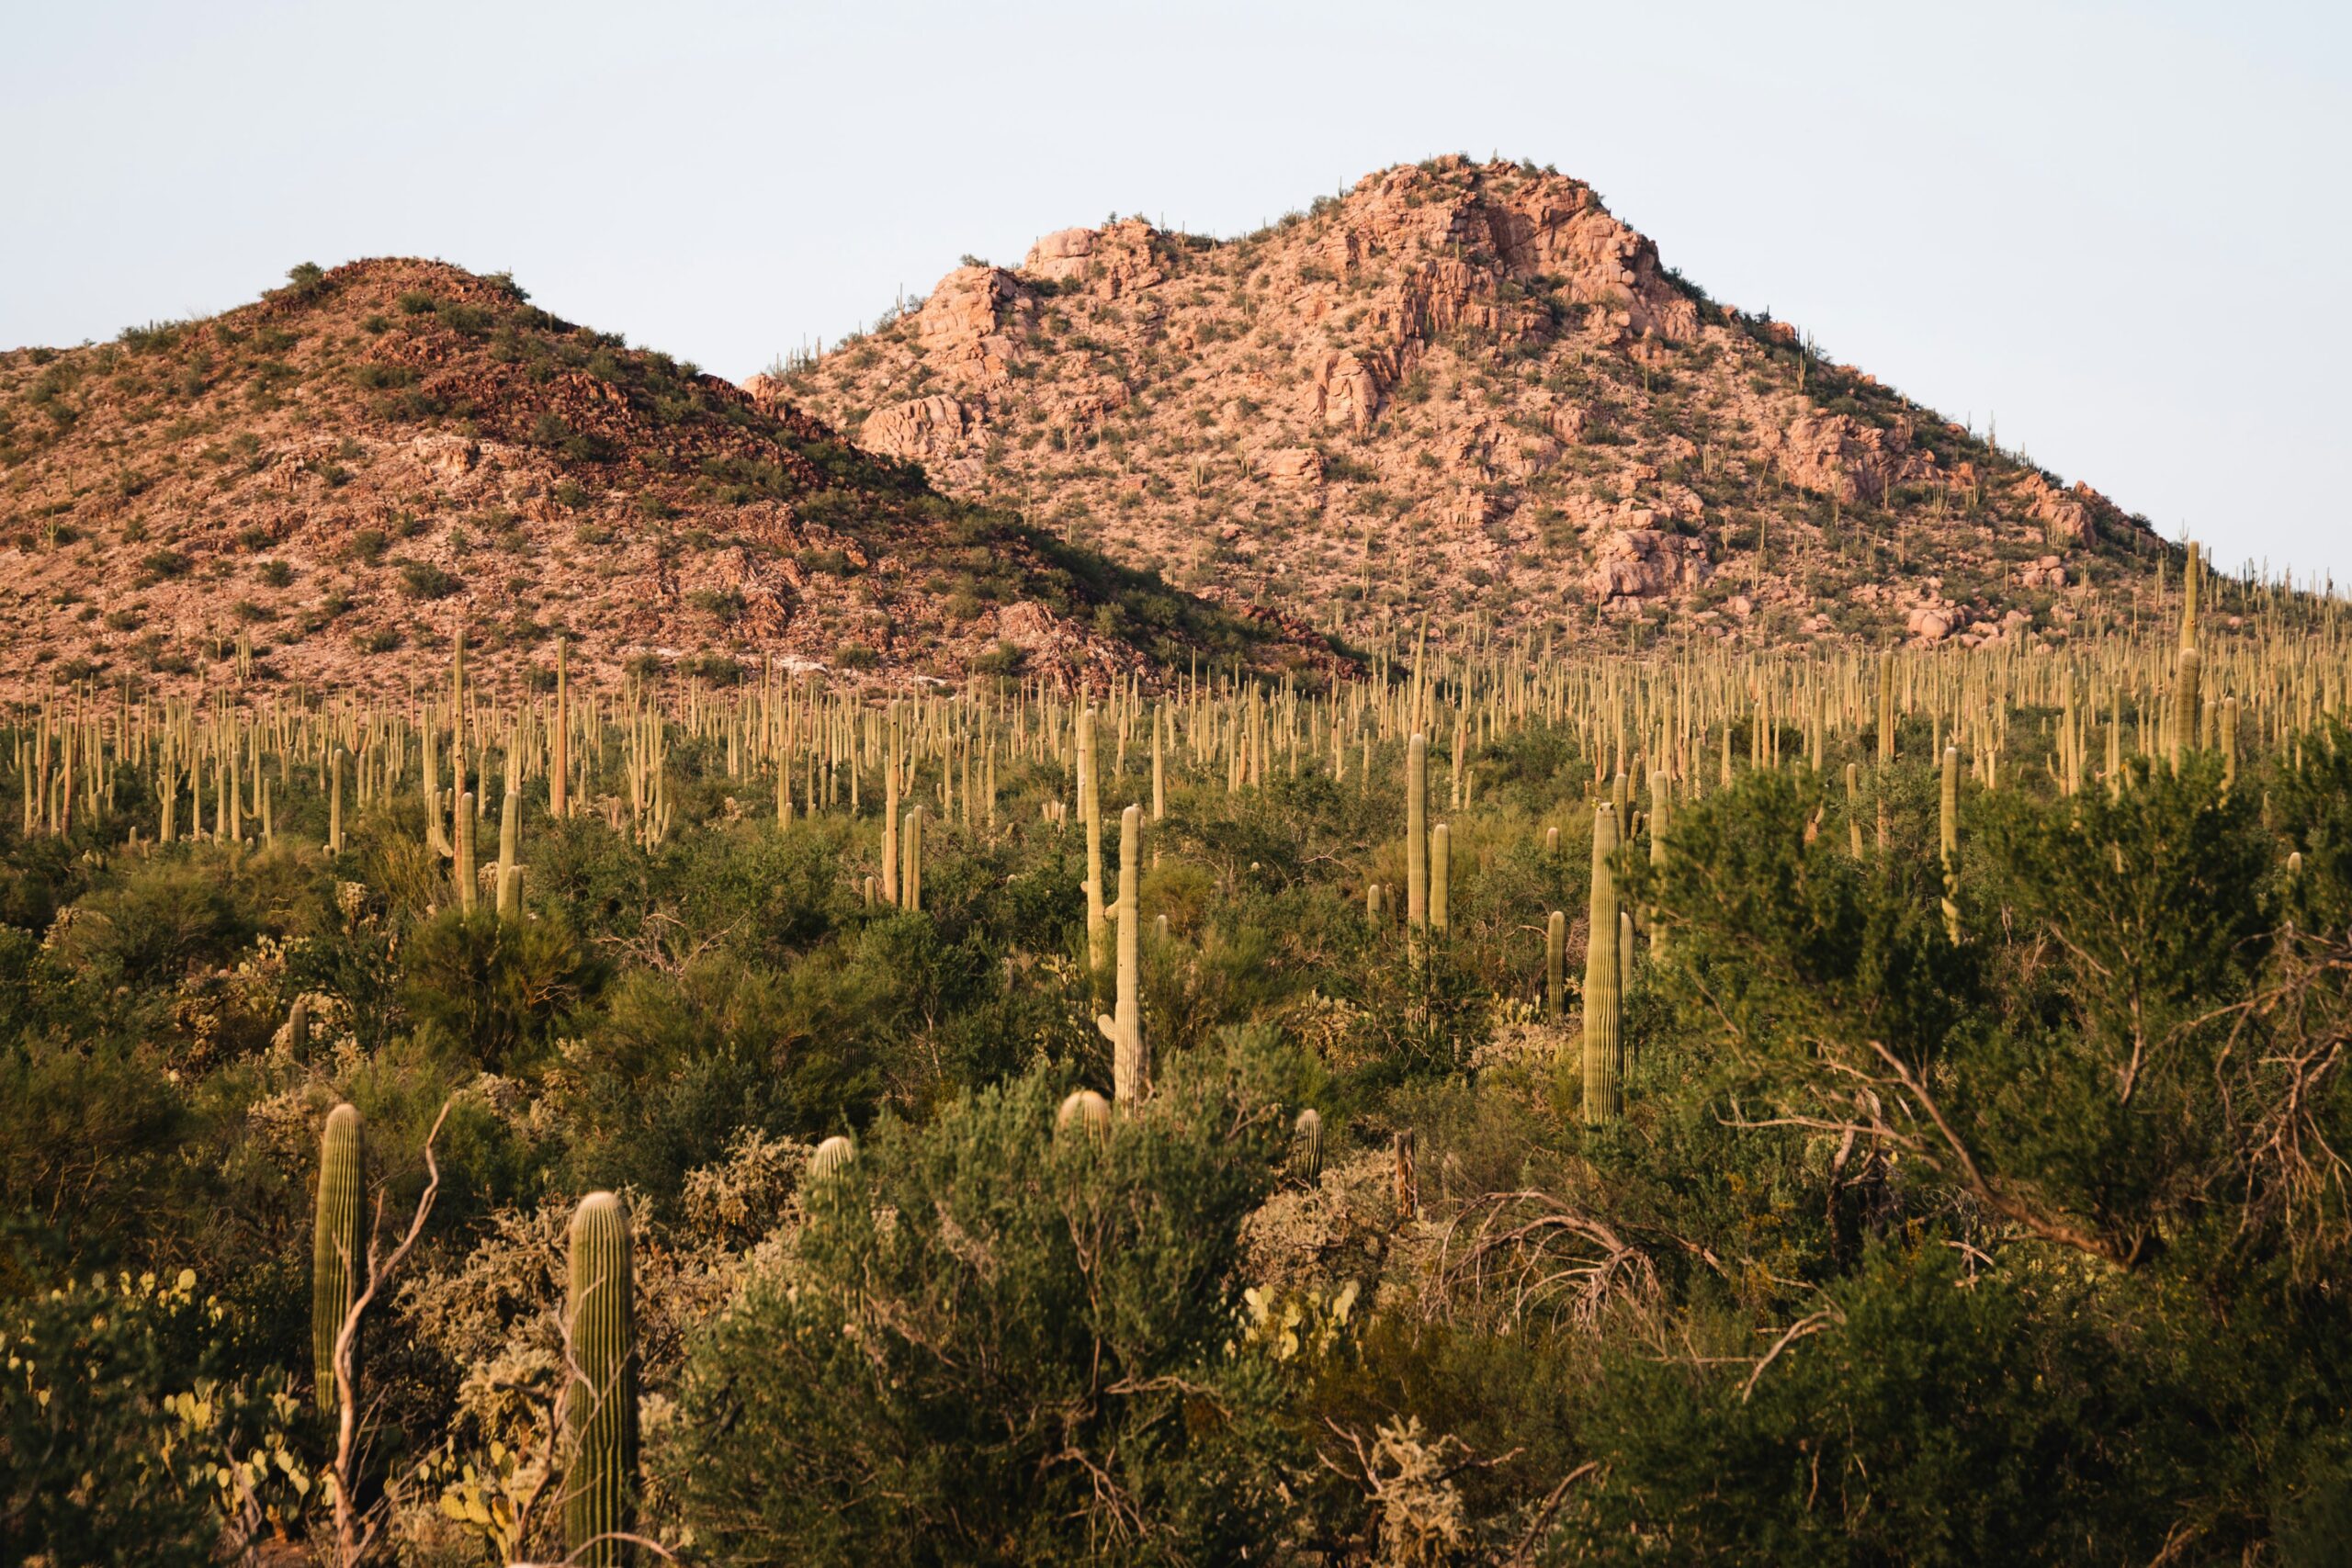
[(2117, 233)]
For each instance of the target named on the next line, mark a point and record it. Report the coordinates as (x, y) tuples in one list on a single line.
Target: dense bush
[(2028, 1246)]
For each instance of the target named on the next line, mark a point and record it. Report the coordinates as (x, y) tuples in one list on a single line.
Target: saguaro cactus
[(910, 873), (1948, 839), (510, 876), (1130, 1067), (600, 1396), (334, 802), (560, 737), (1417, 831), (891, 814), (835, 1154), (1555, 964), (1306, 1146), (337, 1255), (2229, 738), (1886, 708), (2184, 705), (462, 861), (1089, 816), (1088, 1111), (1441, 875), (1603, 984), (1661, 787)]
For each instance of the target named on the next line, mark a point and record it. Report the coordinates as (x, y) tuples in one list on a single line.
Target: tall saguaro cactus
[(1417, 831), (334, 802), (337, 1255), (600, 1395), (1555, 964), (1090, 814), (1948, 839), (510, 833), (560, 737), (910, 873), (1661, 789), (1604, 1053), (1440, 876), (462, 861), (1130, 1066)]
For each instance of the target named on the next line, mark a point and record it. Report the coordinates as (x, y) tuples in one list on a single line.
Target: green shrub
[(1033, 1355)]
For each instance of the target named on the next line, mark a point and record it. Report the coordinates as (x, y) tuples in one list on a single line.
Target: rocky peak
[(1452, 379)]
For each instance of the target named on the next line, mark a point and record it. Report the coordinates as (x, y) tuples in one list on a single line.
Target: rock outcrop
[(1455, 385)]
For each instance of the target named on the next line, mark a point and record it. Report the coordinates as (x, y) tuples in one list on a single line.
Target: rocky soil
[(321, 487)]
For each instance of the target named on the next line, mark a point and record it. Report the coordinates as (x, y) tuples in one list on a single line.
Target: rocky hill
[(321, 486), (1460, 388)]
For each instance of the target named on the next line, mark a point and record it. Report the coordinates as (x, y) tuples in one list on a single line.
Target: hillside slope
[(337, 476), (1459, 388)]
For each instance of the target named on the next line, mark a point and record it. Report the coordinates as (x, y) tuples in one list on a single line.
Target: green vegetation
[(816, 1135)]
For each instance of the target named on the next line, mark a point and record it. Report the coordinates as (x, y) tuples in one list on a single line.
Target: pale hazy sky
[(2121, 230)]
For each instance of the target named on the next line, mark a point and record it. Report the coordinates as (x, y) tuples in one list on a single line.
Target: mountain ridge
[(1478, 372), (320, 486)]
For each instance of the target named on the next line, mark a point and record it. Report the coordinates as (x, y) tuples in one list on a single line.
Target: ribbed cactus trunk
[(334, 802), (1090, 816), (1307, 1147), (1417, 832), (600, 1396), (1440, 876), (1130, 1066), (462, 867), (1854, 809), (509, 875), (1555, 964), (1661, 788), (560, 762), (337, 1248), (1604, 1057), (2229, 738), (891, 814), (910, 873), (1886, 708), (1948, 839), (2187, 694), (1158, 766)]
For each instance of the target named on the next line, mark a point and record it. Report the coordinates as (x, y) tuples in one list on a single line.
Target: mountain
[(321, 487), (1462, 388)]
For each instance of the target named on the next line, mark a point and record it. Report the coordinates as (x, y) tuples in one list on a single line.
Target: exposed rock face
[(921, 431), (1637, 562), (1455, 385), (1833, 453), (2068, 516)]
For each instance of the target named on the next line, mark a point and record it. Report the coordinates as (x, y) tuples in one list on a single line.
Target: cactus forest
[(1510, 1106)]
